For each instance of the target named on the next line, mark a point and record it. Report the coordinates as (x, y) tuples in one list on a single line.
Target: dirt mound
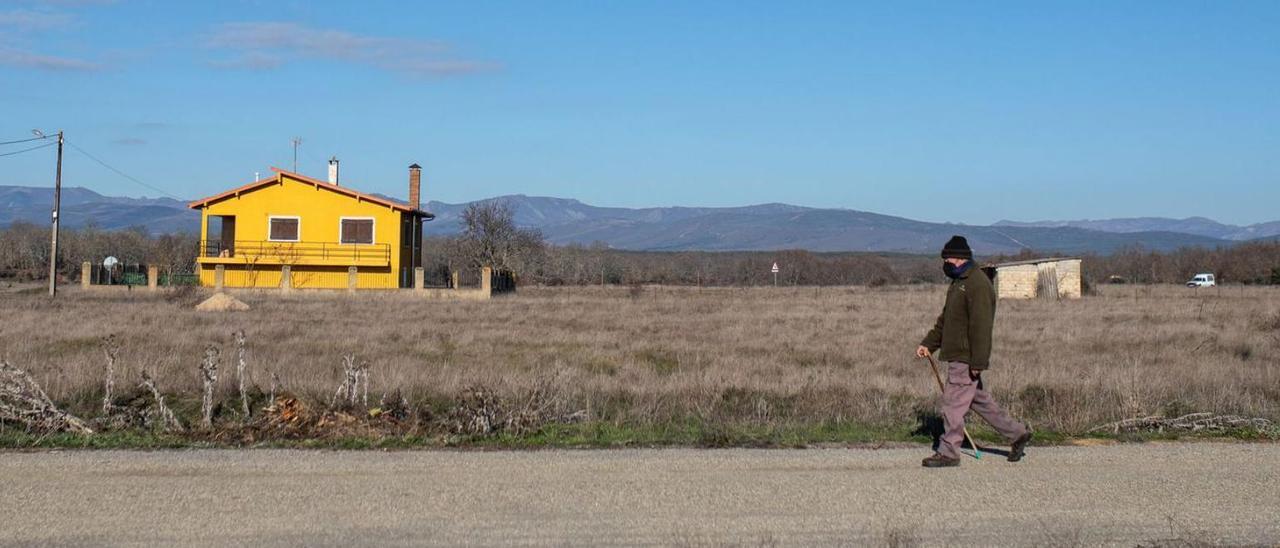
[(221, 302)]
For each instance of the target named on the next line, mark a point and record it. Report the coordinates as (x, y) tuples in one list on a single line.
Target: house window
[(283, 229), (357, 231)]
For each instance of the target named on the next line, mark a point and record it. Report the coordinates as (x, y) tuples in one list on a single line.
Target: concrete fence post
[(486, 281), (86, 274), (419, 278), (286, 278), (352, 278), (153, 277), (454, 280), (219, 277)]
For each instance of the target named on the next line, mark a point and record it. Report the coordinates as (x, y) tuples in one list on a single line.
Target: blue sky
[(962, 111)]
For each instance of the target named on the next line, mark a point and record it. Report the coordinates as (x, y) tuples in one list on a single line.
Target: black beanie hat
[(957, 248)]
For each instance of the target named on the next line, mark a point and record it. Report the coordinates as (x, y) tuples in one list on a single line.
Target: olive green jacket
[(963, 331)]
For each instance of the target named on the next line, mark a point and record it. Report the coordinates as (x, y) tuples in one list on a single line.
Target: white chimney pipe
[(333, 171)]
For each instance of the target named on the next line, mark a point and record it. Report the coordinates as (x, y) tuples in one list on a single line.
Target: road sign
[(110, 262), (775, 268)]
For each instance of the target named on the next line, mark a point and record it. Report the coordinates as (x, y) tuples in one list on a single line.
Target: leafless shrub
[(209, 378), (355, 381), (22, 400), (478, 412), (364, 391), (167, 419), (482, 411), (530, 412), (275, 382), (110, 347), (395, 406), (241, 366)]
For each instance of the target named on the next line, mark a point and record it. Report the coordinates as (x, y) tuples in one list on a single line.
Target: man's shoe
[(939, 460), (1019, 447)]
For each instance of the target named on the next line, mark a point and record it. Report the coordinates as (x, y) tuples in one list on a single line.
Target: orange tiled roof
[(280, 173)]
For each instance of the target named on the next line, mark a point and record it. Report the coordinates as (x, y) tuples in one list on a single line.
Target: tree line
[(24, 250), (490, 237)]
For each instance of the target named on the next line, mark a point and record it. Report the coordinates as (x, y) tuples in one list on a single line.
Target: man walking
[(963, 333)]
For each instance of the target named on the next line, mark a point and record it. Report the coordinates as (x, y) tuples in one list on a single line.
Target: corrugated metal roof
[(1033, 261)]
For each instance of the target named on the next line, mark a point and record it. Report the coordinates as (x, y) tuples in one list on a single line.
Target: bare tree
[(490, 237)]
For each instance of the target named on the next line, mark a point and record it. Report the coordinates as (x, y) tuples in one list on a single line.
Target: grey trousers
[(962, 394)]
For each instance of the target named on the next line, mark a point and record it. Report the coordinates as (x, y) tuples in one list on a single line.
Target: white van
[(1202, 280)]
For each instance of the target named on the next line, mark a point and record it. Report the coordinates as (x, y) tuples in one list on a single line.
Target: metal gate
[(131, 273), (120, 272)]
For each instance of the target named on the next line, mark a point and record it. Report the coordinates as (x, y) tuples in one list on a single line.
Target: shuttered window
[(357, 231), (283, 229)]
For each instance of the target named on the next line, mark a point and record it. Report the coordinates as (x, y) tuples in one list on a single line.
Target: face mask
[(953, 271)]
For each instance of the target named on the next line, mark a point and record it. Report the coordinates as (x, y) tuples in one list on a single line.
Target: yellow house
[(292, 231)]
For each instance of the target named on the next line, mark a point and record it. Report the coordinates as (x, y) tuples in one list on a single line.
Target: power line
[(46, 145), (121, 173), (24, 140)]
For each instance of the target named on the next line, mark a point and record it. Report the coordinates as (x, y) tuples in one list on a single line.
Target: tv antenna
[(296, 141)]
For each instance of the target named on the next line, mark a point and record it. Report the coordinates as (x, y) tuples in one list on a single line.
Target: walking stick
[(977, 453)]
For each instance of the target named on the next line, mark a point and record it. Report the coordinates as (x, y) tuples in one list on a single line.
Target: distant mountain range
[(82, 207), (757, 227), (1199, 226), (782, 226)]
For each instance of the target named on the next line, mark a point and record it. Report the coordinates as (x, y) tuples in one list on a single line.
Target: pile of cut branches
[(23, 401), (1193, 422)]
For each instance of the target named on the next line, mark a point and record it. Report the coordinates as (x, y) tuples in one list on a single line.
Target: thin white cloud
[(76, 2), (130, 141), (253, 60), (20, 26), (267, 45), (27, 59), (24, 20)]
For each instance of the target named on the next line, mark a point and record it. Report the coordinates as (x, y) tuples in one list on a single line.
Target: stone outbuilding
[(1052, 278)]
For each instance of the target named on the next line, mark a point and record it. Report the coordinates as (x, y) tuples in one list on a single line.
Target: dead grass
[(728, 356)]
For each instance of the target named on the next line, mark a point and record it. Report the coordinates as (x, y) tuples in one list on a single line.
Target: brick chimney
[(333, 171), (415, 186)]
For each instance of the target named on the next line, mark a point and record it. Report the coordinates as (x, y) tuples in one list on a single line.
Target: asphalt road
[(1066, 496)]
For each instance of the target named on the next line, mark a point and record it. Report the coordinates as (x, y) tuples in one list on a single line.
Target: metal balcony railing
[(293, 252)]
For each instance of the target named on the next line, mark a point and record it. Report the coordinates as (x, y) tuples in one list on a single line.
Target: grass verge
[(595, 435)]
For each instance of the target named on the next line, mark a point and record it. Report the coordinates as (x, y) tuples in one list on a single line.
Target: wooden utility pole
[(57, 201)]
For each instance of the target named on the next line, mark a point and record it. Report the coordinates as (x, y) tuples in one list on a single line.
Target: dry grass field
[(725, 357)]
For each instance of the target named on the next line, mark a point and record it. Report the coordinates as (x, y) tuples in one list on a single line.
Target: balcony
[(261, 252)]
